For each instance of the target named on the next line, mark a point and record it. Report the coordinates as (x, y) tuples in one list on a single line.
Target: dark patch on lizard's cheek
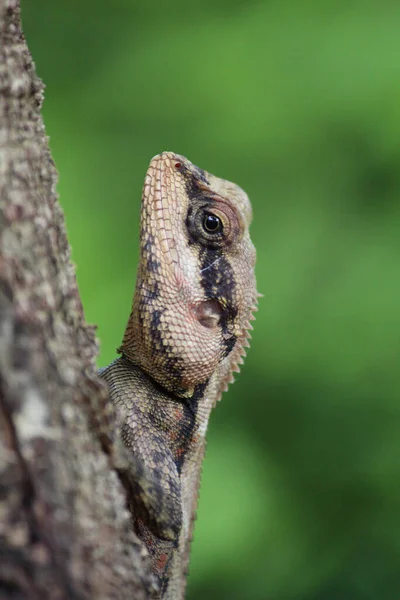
[(152, 264), (229, 344), (150, 292), (216, 274), (155, 328), (153, 292), (149, 243), (218, 283)]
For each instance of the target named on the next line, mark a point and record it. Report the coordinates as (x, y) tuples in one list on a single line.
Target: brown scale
[(186, 336)]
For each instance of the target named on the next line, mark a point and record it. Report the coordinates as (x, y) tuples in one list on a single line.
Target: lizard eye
[(212, 223)]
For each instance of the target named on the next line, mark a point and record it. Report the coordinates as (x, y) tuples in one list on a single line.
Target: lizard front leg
[(155, 496), (150, 474), (153, 480)]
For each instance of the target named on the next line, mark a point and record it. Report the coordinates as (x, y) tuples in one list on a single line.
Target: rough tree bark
[(64, 528)]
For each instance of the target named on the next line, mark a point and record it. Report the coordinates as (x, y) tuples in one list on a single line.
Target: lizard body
[(186, 335)]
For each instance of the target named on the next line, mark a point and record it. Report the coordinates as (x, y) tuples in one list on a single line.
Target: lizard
[(186, 335)]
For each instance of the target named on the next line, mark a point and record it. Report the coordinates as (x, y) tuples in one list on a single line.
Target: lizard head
[(195, 289)]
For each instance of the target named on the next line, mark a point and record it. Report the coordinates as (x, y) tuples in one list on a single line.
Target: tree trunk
[(65, 531)]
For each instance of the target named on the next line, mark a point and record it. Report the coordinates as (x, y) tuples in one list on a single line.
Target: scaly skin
[(186, 335)]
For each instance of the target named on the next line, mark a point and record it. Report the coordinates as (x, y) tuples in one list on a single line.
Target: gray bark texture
[(65, 531)]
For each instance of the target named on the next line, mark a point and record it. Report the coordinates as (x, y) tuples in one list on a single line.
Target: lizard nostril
[(178, 165)]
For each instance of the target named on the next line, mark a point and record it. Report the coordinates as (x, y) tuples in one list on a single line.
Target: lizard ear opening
[(209, 313)]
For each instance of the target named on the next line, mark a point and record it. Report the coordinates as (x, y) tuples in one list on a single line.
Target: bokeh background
[(299, 103)]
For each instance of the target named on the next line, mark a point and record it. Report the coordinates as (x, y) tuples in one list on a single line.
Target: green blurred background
[(299, 103)]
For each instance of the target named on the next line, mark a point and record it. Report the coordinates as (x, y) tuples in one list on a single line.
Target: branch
[(65, 532)]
